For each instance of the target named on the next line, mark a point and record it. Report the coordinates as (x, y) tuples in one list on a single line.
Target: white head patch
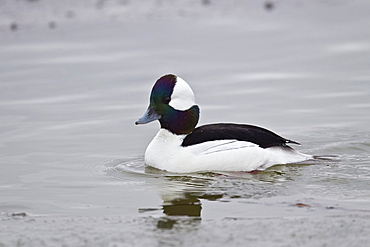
[(182, 97)]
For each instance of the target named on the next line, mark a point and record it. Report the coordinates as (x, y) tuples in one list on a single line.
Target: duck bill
[(149, 116)]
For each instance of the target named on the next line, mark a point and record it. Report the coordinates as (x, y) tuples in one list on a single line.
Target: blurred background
[(76, 75)]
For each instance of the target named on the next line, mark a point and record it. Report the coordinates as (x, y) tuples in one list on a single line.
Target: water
[(72, 158)]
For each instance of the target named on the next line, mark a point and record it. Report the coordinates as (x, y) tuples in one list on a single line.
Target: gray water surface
[(72, 170)]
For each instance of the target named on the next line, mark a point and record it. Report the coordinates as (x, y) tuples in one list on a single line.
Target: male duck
[(180, 147)]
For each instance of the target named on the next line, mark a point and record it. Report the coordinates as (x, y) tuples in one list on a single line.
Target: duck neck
[(180, 122)]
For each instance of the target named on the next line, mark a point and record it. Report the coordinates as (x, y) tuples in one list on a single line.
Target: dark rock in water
[(269, 5), (206, 2), (21, 214), (14, 26), (52, 24)]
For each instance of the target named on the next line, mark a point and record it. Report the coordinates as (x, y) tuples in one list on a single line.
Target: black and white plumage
[(241, 132), (181, 147)]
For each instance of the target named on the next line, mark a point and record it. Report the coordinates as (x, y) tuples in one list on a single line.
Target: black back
[(241, 132)]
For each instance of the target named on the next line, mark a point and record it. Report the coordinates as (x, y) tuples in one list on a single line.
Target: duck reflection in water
[(189, 206), (182, 194)]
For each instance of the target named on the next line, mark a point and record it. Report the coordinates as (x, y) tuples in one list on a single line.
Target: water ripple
[(121, 168)]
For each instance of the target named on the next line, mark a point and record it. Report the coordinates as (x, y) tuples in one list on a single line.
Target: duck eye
[(167, 100)]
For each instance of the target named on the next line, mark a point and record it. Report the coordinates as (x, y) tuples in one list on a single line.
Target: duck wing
[(241, 132)]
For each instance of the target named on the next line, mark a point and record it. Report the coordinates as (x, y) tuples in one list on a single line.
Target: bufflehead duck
[(181, 147)]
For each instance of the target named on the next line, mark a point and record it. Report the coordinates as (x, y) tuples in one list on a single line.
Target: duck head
[(172, 103)]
